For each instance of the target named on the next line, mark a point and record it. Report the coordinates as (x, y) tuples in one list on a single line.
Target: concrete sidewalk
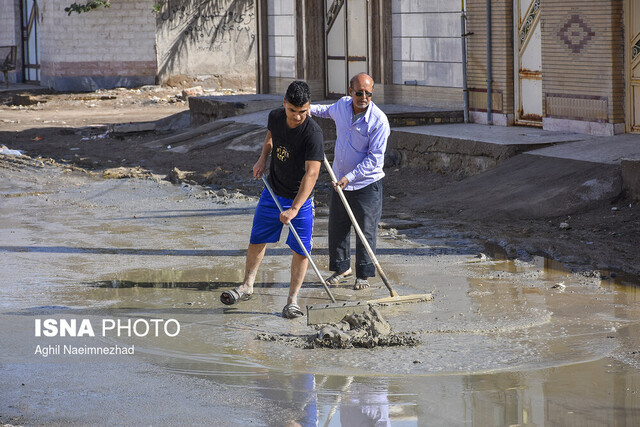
[(470, 149), (566, 145), (609, 149), (552, 144)]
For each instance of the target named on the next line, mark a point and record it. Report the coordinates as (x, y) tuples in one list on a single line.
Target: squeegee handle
[(295, 234), (359, 232)]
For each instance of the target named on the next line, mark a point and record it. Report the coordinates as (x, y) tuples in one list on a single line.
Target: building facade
[(557, 65), (131, 43), (570, 66), (412, 49)]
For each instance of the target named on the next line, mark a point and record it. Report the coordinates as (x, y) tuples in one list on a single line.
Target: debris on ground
[(96, 136), (365, 330), (126, 172), (192, 91), (176, 176), (20, 99), (4, 150)]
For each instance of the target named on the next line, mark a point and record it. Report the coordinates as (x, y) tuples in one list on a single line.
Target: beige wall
[(502, 58), (583, 62), (213, 41)]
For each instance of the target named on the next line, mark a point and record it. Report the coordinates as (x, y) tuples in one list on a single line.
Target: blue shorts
[(267, 226)]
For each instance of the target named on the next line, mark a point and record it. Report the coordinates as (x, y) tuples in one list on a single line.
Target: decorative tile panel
[(577, 107), (575, 33)]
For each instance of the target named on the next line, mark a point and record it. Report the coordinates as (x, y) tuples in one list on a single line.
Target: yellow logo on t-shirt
[(282, 154)]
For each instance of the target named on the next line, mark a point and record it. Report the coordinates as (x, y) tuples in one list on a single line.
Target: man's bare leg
[(255, 254), (299, 264)]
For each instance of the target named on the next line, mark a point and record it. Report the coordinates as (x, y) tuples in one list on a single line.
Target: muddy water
[(502, 343)]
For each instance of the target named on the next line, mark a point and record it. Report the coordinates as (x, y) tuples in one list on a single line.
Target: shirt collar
[(367, 112)]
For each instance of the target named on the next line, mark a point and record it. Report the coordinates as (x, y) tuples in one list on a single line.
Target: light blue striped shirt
[(360, 146)]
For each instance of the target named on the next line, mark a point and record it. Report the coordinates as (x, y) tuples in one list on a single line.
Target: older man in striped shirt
[(362, 132)]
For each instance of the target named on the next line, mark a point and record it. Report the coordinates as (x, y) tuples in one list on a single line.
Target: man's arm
[(261, 164), (320, 110), (312, 168)]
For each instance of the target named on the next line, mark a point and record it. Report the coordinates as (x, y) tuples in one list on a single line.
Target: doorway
[(347, 43), (528, 63), (30, 44)]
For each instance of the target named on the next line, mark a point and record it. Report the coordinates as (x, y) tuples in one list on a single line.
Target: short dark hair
[(298, 93)]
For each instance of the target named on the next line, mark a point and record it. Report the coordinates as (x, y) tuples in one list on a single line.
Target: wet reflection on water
[(584, 394), (200, 278)]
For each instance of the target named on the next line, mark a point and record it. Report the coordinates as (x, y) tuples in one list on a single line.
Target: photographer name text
[(56, 350)]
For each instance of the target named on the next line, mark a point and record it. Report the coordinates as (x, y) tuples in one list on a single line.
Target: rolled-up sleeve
[(320, 110)]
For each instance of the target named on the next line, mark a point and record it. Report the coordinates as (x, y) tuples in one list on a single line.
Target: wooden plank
[(262, 81), (300, 38), (314, 22), (387, 46)]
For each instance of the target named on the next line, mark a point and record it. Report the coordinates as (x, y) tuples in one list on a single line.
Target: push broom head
[(320, 314)]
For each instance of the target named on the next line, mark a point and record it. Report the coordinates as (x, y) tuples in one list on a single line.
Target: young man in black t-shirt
[(295, 142)]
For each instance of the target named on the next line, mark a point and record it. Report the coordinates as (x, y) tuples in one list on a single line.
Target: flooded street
[(143, 262)]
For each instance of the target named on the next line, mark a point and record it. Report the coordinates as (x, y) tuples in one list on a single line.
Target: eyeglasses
[(362, 92)]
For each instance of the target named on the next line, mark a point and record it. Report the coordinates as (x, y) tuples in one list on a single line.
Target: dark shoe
[(336, 278), (234, 296), (292, 311), (361, 284)]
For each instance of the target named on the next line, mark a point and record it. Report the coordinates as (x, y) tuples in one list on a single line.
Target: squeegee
[(335, 312)]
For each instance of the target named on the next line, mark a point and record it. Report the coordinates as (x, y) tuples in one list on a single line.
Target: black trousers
[(366, 204)]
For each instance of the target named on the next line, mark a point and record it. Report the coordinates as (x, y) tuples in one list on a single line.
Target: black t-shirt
[(291, 149)]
